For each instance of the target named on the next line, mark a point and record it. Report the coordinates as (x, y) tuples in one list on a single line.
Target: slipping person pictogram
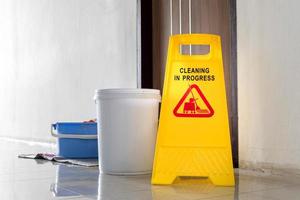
[(188, 107)]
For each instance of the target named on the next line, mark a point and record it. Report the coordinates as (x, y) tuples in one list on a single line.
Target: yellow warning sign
[(193, 136)]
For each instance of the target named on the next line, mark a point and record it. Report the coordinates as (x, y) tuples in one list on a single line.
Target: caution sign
[(193, 136), (188, 106)]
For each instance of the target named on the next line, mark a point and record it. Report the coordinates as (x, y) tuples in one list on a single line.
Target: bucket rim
[(127, 91)]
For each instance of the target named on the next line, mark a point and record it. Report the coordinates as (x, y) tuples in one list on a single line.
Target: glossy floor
[(39, 180)]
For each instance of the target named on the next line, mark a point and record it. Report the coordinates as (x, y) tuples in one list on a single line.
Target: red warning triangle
[(191, 107)]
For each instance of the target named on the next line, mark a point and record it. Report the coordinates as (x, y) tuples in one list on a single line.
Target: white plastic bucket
[(127, 126)]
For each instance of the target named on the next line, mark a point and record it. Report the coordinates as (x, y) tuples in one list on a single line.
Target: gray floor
[(32, 179)]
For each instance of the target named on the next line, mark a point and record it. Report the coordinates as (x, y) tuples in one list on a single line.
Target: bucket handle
[(71, 136)]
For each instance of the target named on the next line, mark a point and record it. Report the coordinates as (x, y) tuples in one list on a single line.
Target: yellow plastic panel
[(193, 137)]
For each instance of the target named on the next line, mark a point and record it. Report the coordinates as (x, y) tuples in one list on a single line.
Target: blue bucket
[(76, 140)]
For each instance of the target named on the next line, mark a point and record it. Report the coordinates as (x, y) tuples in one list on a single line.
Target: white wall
[(55, 53), (268, 83)]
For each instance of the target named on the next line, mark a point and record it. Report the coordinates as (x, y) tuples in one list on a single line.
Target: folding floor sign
[(193, 136)]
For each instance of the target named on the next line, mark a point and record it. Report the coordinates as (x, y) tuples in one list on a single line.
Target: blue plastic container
[(76, 140)]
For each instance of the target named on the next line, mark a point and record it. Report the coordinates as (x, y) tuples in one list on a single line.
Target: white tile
[(33, 179), (244, 196), (288, 193), (33, 190), (254, 183), (197, 191)]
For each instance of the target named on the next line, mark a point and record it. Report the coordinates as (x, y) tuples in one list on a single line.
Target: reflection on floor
[(31, 179)]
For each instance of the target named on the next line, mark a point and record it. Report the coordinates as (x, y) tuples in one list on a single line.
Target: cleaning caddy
[(76, 139)]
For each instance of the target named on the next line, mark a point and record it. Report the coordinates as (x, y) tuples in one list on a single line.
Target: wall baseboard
[(270, 168)]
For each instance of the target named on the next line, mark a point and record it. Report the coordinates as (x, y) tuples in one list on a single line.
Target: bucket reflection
[(73, 181)]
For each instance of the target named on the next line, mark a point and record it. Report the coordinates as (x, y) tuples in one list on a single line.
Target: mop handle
[(180, 20)]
